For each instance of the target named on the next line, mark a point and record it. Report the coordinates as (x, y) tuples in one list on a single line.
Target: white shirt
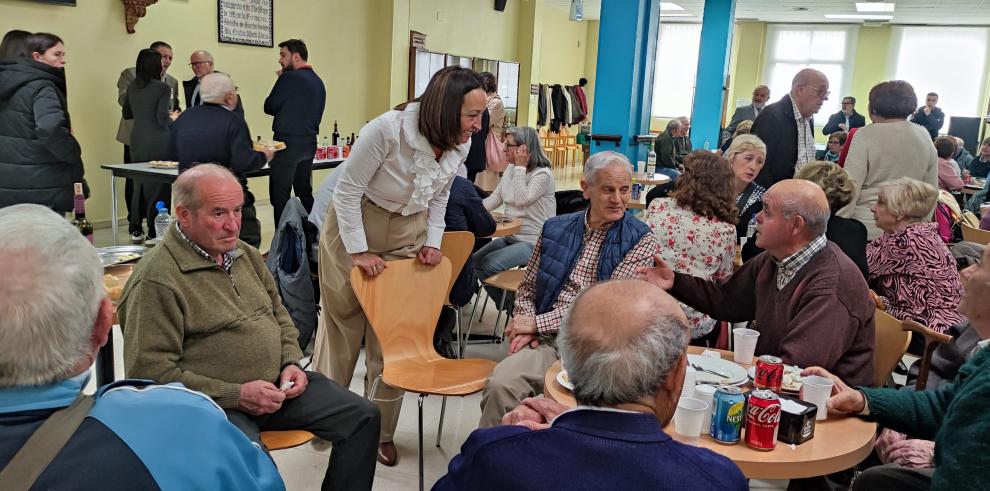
[(528, 196), (805, 137), (395, 167)]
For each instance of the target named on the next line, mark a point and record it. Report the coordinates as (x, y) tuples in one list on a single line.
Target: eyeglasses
[(821, 91), (199, 63), (833, 141), (845, 103)]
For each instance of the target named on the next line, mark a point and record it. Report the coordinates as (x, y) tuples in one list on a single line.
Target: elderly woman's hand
[(521, 157), (896, 448)]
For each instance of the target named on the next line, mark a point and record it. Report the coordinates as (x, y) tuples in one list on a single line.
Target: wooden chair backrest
[(457, 247), (971, 234), (890, 343), (402, 306), (932, 340)]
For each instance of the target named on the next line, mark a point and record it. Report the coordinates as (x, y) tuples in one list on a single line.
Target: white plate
[(564, 381), (794, 387), (736, 373)]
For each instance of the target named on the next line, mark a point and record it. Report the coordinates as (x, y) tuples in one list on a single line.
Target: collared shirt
[(790, 265), (805, 137), (228, 257), (584, 275)]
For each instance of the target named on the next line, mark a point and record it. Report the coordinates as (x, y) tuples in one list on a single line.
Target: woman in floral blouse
[(695, 228), (745, 157)]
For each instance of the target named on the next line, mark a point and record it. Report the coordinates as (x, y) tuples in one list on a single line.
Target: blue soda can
[(636, 189), (728, 414)]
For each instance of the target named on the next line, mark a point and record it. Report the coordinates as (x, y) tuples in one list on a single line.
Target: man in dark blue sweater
[(214, 132), (296, 101)]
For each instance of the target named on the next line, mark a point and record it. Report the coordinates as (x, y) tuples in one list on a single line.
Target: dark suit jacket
[(587, 449), (466, 212), (477, 158), (188, 86), (777, 128), (741, 114), (213, 133), (856, 120), (932, 122)]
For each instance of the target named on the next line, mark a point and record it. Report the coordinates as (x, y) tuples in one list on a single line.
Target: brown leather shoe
[(387, 454)]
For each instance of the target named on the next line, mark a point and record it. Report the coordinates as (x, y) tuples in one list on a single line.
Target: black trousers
[(136, 205), (250, 225), (332, 413), (894, 478), (292, 170)]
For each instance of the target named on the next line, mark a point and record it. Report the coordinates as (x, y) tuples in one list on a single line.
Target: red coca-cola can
[(762, 419), (769, 373)]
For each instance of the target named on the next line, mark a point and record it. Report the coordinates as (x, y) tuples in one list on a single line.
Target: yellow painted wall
[(98, 48), (591, 63), (561, 51), (467, 27)]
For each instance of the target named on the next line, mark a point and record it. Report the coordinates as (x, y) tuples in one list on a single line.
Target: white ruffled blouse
[(393, 164)]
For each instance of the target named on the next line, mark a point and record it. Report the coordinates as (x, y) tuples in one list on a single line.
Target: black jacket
[(856, 120), (466, 212), (188, 86), (297, 101), (212, 133), (777, 128), (39, 157), (477, 158), (932, 122)]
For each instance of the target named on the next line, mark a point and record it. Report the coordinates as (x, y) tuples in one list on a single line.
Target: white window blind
[(828, 49), (675, 69), (949, 61)]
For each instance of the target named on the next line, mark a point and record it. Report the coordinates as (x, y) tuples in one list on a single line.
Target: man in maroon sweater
[(808, 299)]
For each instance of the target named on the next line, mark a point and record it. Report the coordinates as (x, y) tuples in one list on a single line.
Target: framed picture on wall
[(245, 22)]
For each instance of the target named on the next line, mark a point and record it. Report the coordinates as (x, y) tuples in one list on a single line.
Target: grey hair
[(674, 124), (525, 135), (50, 300), (184, 189), (213, 88), (602, 160), (815, 218), (607, 375)]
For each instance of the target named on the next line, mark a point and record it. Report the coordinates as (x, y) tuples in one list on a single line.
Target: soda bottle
[(79, 207)]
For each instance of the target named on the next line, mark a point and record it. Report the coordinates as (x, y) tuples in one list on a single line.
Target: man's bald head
[(620, 340), (809, 90), (186, 190), (201, 62), (803, 198)]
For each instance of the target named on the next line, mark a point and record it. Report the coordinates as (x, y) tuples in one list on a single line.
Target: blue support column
[(627, 45), (713, 65)]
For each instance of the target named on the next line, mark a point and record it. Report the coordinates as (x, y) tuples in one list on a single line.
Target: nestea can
[(728, 411), (762, 419)]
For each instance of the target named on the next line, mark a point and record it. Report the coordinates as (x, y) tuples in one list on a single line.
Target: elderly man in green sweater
[(202, 309), (955, 415)]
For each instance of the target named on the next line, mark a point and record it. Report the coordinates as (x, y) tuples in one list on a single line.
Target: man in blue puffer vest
[(574, 251)]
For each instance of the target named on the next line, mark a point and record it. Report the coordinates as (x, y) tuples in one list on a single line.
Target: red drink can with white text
[(769, 373), (762, 419)]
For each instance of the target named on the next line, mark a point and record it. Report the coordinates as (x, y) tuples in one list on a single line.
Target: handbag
[(495, 159)]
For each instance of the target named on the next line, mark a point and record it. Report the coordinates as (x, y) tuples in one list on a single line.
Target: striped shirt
[(790, 265)]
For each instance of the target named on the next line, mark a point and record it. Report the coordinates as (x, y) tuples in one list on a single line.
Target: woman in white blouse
[(389, 203), (527, 191)]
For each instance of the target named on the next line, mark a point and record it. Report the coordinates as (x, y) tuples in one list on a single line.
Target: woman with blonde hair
[(745, 157), (910, 267), (695, 228)]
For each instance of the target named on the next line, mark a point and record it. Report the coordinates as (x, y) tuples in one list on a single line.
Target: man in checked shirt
[(573, 252)]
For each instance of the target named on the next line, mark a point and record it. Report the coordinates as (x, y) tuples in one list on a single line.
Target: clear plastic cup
[(817, 390), (689, 417), (690, 376), (706, 393), (744, 344)]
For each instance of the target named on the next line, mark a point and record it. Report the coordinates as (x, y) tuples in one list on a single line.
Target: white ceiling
[(934, 12)]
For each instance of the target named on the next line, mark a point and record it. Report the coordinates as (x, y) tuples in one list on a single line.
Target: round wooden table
[(840, 442), (503, 229)]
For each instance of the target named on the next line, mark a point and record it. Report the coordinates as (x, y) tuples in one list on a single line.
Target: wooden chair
[(402, 306), (507, 281), (932, 340), (971, 234), (280, 440), (456, 246), (890, 343)]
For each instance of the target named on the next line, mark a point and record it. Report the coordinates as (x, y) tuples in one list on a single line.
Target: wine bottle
[(335, 136), (80, 221)]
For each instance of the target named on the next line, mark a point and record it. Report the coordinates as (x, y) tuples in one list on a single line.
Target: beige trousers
[(343, 323), (518, 376)]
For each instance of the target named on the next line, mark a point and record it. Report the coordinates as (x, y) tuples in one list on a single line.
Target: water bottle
[(651, 163), (750, 229), (162, 220)]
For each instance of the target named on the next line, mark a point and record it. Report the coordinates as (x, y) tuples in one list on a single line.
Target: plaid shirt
[(790, 265), (228, 257), (584, 275), (805, 137)]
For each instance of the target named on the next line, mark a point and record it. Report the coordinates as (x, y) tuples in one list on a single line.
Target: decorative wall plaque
[(245, 22)]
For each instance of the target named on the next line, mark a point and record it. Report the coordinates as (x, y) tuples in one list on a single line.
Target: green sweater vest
[(186, 320), (956, 415)]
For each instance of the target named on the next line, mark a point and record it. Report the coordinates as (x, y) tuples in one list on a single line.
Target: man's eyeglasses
[(847, 103), (820, 91), (833, 141), (198, 63)]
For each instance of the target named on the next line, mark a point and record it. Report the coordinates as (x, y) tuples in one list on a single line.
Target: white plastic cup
[(689, 417), (690, 377), (641, 166), (744, 344), (706, 393), (817, 390)]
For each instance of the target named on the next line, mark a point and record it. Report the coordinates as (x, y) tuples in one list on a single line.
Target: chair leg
[(484, 303), (467, 336), (443, 409), (458, 349), (420, 403), (374, 388), (501, 304)]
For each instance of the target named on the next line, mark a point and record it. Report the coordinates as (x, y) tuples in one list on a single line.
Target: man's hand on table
[(535, 413), (294, 374), (661, 275), (260, 397), (521, 332), (844, 398)]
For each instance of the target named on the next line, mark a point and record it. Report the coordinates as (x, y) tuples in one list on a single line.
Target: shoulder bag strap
[(46, 442)]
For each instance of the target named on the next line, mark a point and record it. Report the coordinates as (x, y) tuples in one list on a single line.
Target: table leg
[(113, 218), (104, 363)]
